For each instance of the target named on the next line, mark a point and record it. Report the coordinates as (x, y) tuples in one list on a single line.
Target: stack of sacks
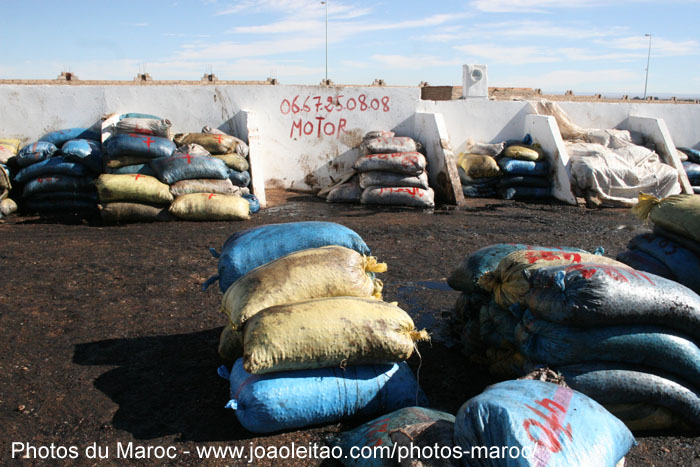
[(142, 126), (392, 172), (490, 280), (201, 186), (537, 423), (626, 338), (347, 189), (673, 249), (613, 332), (8, 151), (302, 300), (133, 198), (231, 150), (478, 171), (691, 165), (54, 180), (525, 172), (135, 140)]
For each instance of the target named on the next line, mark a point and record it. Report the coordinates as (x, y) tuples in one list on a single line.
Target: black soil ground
[(106, 336)]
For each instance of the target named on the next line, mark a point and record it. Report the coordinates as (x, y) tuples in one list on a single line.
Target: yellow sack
[(212, 142), (8, 149), (235, 161), (330, 271), (679, 214), (507, 283), (524, 152), (230, 344), (132, 187), (328, 332), (10, 144), (210, 207), (478, 165)]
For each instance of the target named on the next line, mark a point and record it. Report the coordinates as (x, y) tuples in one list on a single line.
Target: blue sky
[(583, 45)]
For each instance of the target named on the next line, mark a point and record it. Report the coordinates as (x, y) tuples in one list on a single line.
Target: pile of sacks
[(8, 150), (672, 250), (623, 337), (311, 338), (153, 176), (523, 422), (691, 164), (390, 171), (508, 170), (56, 173)]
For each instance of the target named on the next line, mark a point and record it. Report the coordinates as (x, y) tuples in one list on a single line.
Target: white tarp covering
[(611, 166)]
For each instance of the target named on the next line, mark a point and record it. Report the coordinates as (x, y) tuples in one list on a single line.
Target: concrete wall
[(306, 135), (682, 120)]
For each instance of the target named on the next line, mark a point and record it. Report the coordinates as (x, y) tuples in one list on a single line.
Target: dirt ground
[(107, 337)]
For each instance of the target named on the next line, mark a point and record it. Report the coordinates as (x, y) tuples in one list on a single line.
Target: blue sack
[(85, 151), (539, 423), (692, 169), (146, 146), (497, 325), (143, 169), (683, 263), (59, 137), (477, 192), (376, 433), (250, 248), (637, 259), (594, 295), (614, 383), (518, 167), (35, 152), (467, 274), (170, 170), (525, 181), (693, 154), (294, 399), (254, 203), (51, 183), (239, 178), (138, 115), (524, 192), (653, 346), (54, 165)]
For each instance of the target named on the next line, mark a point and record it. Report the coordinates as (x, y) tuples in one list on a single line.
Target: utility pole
[(326, 3), (646, 80)]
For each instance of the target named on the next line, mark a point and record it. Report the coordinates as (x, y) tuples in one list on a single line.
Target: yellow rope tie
[(371, 265), (378, 287), (645, 203)]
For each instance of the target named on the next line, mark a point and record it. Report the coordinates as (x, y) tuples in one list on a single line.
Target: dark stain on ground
[(107, 337)]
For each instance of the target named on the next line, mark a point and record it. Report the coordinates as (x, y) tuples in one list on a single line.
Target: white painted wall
[(290, 151), (682, 120), (299, 144)]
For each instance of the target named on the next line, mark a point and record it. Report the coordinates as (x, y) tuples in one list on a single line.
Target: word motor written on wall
[(313, 114)]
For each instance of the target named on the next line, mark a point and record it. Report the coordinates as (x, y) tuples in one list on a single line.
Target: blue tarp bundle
[(59, 137), (250, 248), (553, 424), (85, 151), (295, 399), (54, 165), (170, 170), (132, 144), (35, 152)]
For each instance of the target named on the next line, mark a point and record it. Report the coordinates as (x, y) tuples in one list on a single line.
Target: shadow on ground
[(165, 385)]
